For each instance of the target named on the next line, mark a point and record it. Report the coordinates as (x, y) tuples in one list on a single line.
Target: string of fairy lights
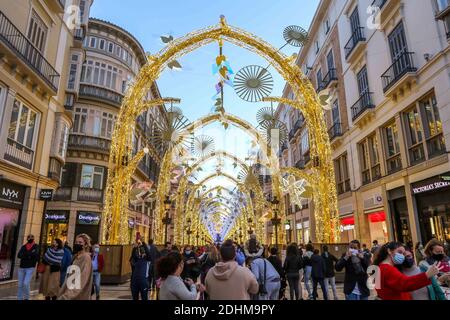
[(254, 206)]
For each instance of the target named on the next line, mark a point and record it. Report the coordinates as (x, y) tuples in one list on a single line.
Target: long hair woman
[(392, 284), (292, 266), (50, 280), (173, 287)]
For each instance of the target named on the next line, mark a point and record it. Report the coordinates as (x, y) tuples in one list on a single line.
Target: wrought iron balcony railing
[(356, 38), (379, 3), (335, 131), (329, 77), (25, 50), (364, 103), (19, 154), (401, 66), (89, 143), (102, 94)]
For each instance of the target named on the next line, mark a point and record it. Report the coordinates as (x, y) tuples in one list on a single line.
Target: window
[(341, 171), (118, 51), (392, 148), (92, 177), (432, 126), (82, 10), (330, 60), (23, 125), (398, 48), (37, 32), (335, 113), (442, 4), (102, 44), (327, 26), (369, 160), (319, 80), (2, 103), (80, 119), (317, 46), (100, 74), (107, 125), (62, 148), (93, 42), (73, 73), (305, 142), (414, 136), (110, 47), (363, 81), (354, 21)]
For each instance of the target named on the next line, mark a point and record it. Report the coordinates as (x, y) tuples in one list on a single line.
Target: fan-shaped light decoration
[(203, 146), (253, 83), (172, 134), (175, 111), (296, 36), (247, 176), (269, 128), (265, 114)]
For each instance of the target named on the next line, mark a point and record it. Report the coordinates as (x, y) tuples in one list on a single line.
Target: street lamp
[(167, 220), (275, 220)]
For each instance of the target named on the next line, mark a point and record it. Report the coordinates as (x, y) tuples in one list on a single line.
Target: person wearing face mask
[(82, 265), (419, 252), (98, 263), (191, 265), (434, 252), (431, 292), (139, 260), (50, 281), (29, 256), (355, 263), (392, 284)]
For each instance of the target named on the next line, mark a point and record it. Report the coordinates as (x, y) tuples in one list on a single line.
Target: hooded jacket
[(229, 281)]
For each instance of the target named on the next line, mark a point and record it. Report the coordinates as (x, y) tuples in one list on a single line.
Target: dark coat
[(351, 278), (140, 258), (318, 267), (276, 262), (330, 260), (292, 265), (28, 258), (154, 253)]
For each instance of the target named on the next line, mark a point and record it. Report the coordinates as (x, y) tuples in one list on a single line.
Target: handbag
[(262, 285), (40, 268)]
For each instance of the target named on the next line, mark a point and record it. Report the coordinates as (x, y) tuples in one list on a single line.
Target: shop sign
[(89, 218), (12, 193), (346, 227), (131, 223), (56, 217), (431, 187), (46, 194)]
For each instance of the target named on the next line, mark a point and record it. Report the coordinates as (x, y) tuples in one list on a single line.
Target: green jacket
[(434, 289)]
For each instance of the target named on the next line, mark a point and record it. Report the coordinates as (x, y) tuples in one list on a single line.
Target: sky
[(195, 84)]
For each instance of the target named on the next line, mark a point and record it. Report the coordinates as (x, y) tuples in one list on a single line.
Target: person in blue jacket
[(240, 256), (65, 264)]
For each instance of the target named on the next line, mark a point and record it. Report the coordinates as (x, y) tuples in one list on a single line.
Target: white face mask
[(354, 252)]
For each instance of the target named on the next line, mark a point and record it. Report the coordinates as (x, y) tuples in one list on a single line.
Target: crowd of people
[(251, 271)]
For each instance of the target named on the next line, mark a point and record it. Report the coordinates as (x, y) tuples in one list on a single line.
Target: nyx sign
[(11, 193)]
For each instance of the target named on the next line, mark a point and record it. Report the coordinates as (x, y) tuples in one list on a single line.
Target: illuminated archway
[(115, 220)]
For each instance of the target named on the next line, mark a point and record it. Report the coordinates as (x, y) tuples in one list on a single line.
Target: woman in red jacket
[(394, 285)]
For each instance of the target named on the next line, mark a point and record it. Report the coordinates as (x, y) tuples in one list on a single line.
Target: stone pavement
[(122, 292)]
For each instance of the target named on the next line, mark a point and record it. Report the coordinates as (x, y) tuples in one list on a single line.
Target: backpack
[(252, 246)]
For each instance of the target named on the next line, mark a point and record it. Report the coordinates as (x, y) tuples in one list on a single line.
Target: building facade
[(94, 94), (388, 115), (35, 43)]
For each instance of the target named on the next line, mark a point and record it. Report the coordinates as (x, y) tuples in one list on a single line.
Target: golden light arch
[(115, 220)]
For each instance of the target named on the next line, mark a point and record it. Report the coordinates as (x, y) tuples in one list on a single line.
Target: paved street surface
[(122, 292)]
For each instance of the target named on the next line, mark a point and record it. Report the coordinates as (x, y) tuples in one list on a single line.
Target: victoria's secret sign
[(430, 185)]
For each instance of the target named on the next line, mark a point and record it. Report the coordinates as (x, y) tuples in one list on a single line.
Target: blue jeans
[(97, 278), (25, 275), (354, 297), (307, 279)]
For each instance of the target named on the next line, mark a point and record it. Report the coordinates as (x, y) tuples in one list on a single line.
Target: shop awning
[(348, 221), (379, 216)]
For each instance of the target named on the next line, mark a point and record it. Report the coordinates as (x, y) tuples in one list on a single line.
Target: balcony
[(355, 45), (54, 170), (363, 106), (100, 94), (19, 154), (335, 131), (20, 48), (400, 75), (78, 37), (90, 195), (88, 143), (330, 79), (436, 146), (387, 9), (63, 194)]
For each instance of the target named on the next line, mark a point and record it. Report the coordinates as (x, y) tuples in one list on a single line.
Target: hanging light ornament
[(296, 36), (269, 124), (253, 83), (203, 146)]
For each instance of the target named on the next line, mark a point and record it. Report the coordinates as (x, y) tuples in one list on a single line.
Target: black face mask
[(408, 263), (77, 248), (438, 257), (30, 240)]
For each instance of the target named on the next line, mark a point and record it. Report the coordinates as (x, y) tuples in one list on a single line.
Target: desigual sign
[(56, 217), (88, 218)]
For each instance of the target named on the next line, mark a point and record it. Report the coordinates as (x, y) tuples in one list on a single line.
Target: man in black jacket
[(140, 261), (276, 262), (318, 274), (29, 256), (154, 256), (330, 278), (355, 263)]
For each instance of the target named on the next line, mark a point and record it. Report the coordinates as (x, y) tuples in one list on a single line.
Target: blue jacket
[(240, 258), (257, 267), (65, 263)]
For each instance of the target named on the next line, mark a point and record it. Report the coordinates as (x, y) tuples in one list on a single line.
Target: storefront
[(432, 198), (11, 203), (347, 228), (302, 231), (55, 225), (378, 226), (88, 223), (399, 215)]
